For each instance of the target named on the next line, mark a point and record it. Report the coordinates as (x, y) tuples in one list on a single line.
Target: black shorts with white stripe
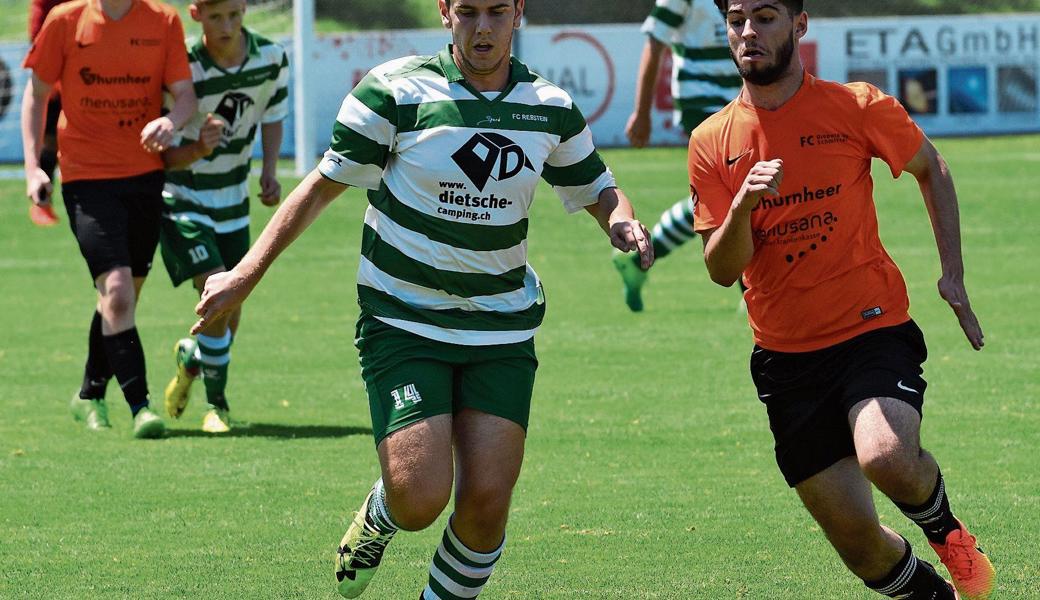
[(808, 395)]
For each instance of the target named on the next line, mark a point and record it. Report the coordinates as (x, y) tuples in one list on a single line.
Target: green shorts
[(410, 378), (190, 249)]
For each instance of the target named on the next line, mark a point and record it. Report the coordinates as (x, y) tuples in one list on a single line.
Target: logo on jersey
[(822, 139), (91, 78), (491, 156), (231, 108)]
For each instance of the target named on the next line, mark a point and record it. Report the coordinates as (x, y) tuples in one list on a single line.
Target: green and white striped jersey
[(704, 78), (452, 174), (214, 191)]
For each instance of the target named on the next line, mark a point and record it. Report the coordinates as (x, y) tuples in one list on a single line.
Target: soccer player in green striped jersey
[(703, 81), (241, 80), (450, 148)]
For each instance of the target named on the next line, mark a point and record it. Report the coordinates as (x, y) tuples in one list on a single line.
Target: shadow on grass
[(274, 430)]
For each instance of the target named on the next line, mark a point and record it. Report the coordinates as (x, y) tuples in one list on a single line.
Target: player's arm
[(940, 197), (615, 216), (728, 248), (226, 291), (38, 186), (182, 157), (157, 135), (271, 144), (639, 124)]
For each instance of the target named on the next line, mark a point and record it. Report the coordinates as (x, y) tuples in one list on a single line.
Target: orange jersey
[(111, 75), (819, 274)]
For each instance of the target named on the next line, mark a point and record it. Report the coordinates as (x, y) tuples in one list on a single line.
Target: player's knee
[(486, 501), (890, 465), (119, 302), (416, 505)]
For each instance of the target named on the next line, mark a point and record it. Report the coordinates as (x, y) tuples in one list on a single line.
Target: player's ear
[(196, 14), (445, 18), (801, 25), (518, 17)]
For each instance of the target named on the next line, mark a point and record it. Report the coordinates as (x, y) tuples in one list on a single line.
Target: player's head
[(221, 20), (763, 37), (482, 32)]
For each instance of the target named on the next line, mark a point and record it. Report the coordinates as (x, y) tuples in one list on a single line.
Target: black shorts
[(116, 221), (808, 395)]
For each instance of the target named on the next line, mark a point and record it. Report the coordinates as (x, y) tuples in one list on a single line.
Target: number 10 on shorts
[(198, 254)]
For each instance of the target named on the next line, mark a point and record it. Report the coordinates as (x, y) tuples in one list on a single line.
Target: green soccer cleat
[(178, 391), (633, 277), (216, 420), (93, 413), (148, 425), (359, 554)]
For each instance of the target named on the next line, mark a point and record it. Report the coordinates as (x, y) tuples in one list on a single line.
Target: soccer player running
[(41, 209), (450, 147), (703, 81), (112, 60), (784, 197), (241, 80)]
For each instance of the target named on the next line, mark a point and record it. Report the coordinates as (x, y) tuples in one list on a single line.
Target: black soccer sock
[(48, 161), (97, 371), (912, 579), (126, 356), (934, 517)]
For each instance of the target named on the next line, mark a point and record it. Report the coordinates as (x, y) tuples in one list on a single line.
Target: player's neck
[(228, 55), (116, 9), (776, 94)]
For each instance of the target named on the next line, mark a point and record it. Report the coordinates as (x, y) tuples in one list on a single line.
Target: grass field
[(649, 471)]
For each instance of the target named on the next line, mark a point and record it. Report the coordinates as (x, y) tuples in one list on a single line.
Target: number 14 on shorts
[(405, 393)]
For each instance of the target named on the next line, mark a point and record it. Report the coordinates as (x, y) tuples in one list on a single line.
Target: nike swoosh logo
[(732, 161), (764, 396), (899, 384)]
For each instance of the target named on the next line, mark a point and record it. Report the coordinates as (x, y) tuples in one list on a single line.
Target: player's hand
[(224, 292), (211, 134), (763, 179), (638, 130), (270, 189), (952, 290), (157, 135), (38, 187), (632, 235)]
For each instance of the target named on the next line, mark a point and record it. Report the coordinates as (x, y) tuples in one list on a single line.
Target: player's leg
[(488, 453), (886, 394), (673, 229), (112, 239), (190, 253), (409, 382), (492, 407), (839, 499), (886, 431), (214, 342)]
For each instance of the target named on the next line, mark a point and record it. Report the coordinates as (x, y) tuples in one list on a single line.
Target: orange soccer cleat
[(972, 572)]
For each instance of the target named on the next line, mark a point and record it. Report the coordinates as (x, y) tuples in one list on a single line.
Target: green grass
[(649, 471)]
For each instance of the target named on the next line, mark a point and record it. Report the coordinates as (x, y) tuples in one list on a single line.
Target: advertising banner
[(964, 75)]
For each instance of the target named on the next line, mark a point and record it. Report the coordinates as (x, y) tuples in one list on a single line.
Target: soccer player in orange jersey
[(112, 60), (782, 181)]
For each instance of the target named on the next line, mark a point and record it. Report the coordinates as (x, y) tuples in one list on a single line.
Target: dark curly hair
[(794, 7)]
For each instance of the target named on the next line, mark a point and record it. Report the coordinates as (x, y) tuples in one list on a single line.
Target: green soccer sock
[(215, 356), (674, 228), (458, 573)]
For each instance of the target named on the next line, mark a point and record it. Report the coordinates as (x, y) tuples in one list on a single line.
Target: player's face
[(221, 21), (482, 34), (762, 38)]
